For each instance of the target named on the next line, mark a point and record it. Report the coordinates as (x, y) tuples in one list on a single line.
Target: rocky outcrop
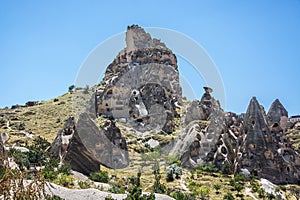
[(141, 86), (266, 152), (85, 146), (234, 143), (277, 114), (198, 141)]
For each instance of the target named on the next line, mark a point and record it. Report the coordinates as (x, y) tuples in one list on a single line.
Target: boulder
[(85, 146)]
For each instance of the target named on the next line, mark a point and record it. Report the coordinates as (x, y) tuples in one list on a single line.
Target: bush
[(217, 188), (208, 168), (225, 168), (239, 178), (83, 184), (228, 196), (182, 196), (65, 180), (173, 159), (238, 187), (204, 193), (20, 158), (99, 176), (116, 189), (172, 170), (65, 169), (71, 88)]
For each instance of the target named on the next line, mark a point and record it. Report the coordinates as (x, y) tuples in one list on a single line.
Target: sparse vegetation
[(71, 88), (173, 170), (101, 176)]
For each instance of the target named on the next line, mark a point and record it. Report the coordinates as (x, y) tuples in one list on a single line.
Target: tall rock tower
[(141, 85)]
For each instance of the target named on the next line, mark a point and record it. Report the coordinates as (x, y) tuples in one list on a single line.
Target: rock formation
[(277, 114), (266, 152), (141, 91), (85, 146), (241, 143), (141, 85)]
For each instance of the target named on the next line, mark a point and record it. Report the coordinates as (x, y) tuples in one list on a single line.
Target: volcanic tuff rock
[(141, 86), (85, 146), (267, 152), (141, 91), (239, 143), (277, 114)]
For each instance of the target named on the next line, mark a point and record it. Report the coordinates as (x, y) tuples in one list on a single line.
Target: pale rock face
[(142, 84), (85, 146), (141, 90)]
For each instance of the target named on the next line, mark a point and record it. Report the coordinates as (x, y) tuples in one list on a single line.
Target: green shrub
[(217, 188), (238, 187), (228, 196), (225, 168), (71, 88), (65, 180), (173, 170), (65, 169), (83, 184), (171, 159), (204, 193), (20, 158), (208, 168), (116, 189), (182, 196), (101, 176), (239, 178)]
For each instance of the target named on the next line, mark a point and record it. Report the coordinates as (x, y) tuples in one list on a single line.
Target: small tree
[(71, 88), (174, 169), (217, 188)]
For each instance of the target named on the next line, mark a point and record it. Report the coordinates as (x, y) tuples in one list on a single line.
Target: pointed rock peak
[(253, 105), (137, 38), (276, 111), (255, 113)]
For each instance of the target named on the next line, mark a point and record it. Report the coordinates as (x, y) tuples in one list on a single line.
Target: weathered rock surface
[(85, 146), (141, 91), (141, 85), (277, 114), (267, 152), (239, 143)]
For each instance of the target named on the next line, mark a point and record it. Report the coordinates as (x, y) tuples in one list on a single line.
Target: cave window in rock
[(288, 169), (106, 104), (139, 120), (107, 109), (109, 92), (224, 150)]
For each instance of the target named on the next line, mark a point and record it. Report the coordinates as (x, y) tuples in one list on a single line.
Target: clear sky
[(254, 44)]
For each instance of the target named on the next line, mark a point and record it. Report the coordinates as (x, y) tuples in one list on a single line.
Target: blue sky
[(254, 44)]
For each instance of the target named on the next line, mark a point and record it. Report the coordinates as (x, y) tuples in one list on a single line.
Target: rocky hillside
[(136, 119)]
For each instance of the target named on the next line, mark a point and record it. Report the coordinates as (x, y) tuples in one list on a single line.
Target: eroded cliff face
[(141, 86), (86, 146), (141, 93), (248, 143)]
